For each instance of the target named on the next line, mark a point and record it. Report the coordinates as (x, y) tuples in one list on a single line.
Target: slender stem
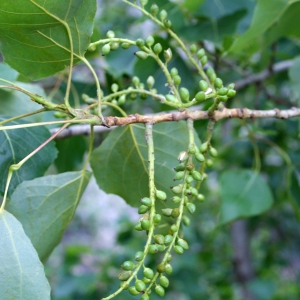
[(23, 116)]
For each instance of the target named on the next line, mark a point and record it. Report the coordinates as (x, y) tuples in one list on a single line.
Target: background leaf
[(244, 194), (120, 163), (45, 207), (22, 275), (15, 145), (45, 51)]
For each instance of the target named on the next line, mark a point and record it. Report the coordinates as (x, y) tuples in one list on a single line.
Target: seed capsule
[(183, 156), (153, 249), (167, 23), (179, 175), (231, 93), (200, 97), (132, 290), (163, 14), (141, 55), (176, 199), (191, 207), (168, 239), (161, 195), (148, 273), (140, 285), (169, 269), (139, 256), (127, 265), (105, 49), (125, 45), (146, 201), (218, 83), (150, 82), (156, 219), (159, 290), (203, 85), (175, 213), (157, 48), (154, 9), (124, 275), (176, 189), (168, 54), (197, 176), (167, 212), (159, 239), (213, 152), (140, 43), (145, 224), (164, 281), (160, 268), (200, 157), (193, 48), (178, 250), (150, 40), (200, 53), (182, 243), (110, 34), (185, 94)]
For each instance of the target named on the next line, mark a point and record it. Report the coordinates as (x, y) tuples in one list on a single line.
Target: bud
[(110, 34), (150, 82), (157, 48), (168, 54), (141, 55), (150, 40), (163, 14)]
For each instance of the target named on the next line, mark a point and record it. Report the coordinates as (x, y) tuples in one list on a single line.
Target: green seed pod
[(223, 98), (150, 40), (153, 249), (186, 221), (157, 48), (141, 55), (174, 228), (193, 48), (122, 100), (154, 9), (139, 256), (159, 239), (124, 285), (185, 94), (105, 49), (146, 201), (179, 175), (168, 239), (203, 85), (168, 54), (191, 207), (177, 79), (213, 152), (148, 273), (143, 209), (194, 191), (200, 97), (176, 199), (200, 53), (177, 189), (124, 275), (204, 60), (150, 82), (160, 268), (222, 91), (114, 87), (114, 45), (110, 34), (157, 219), (200, 197), (145, 297), (203, 147), (189, 179), (164, 281), (171, 98), (140, 43), (174, 72), (167, 23), (125, 45), (209, 162), (138, 227), (183, 243), (231, 86), (161, 248), (163, 15), (146, 280), (197, 176), (218, 83), (140, 285), (175, 213), (183, 156), (166, 212), (169, 269), (178, 250), (210, 71), (159, 290), (132, 290), (231, 93), (161, 195), (145, 224), (200, 157), (127, 265), (180, 167)]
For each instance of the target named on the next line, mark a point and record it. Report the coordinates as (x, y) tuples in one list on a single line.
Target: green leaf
[(22, 274), (295, 189), (45, 207), (265, 15), (192, 5), (244, 193), (16, 145), (39, 51), (6, 72), (120, 164)]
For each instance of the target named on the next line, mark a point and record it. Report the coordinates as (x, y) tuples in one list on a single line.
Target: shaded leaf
[(41, 51), (17, 144), (244, 194), (22, 274), (120, 164), (192, 5), (295, 188), (6, 72), (294, 72), (45, 207)]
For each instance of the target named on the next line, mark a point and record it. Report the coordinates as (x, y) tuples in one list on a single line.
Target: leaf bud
[(159, 239), (200, 157), (218, 83), (105, 49), (167, 23), (185, 94), (222, 91), (110, 34), (200, 53), (141, 55), (159, 290), (157, 218), (157, 48), (150, 82), (127, 265), (125, 45), (177, 189), (150, 40), (168, 239), (140, 285), (191, 207), (200, 97), (213, 152), (167, 212), (160, 268), (231, 93), (193, 48), (177, 79), (175, 213), (178, 249), (168, 54), (183, 243), (203, 85), (161, 195), (139, 256), (145, 224), (148, 273), (163, 14), (124, 275), (154, 9), (132, 290), (183, 156)]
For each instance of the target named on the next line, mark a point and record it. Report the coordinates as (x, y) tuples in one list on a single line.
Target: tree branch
[(225, 113)]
